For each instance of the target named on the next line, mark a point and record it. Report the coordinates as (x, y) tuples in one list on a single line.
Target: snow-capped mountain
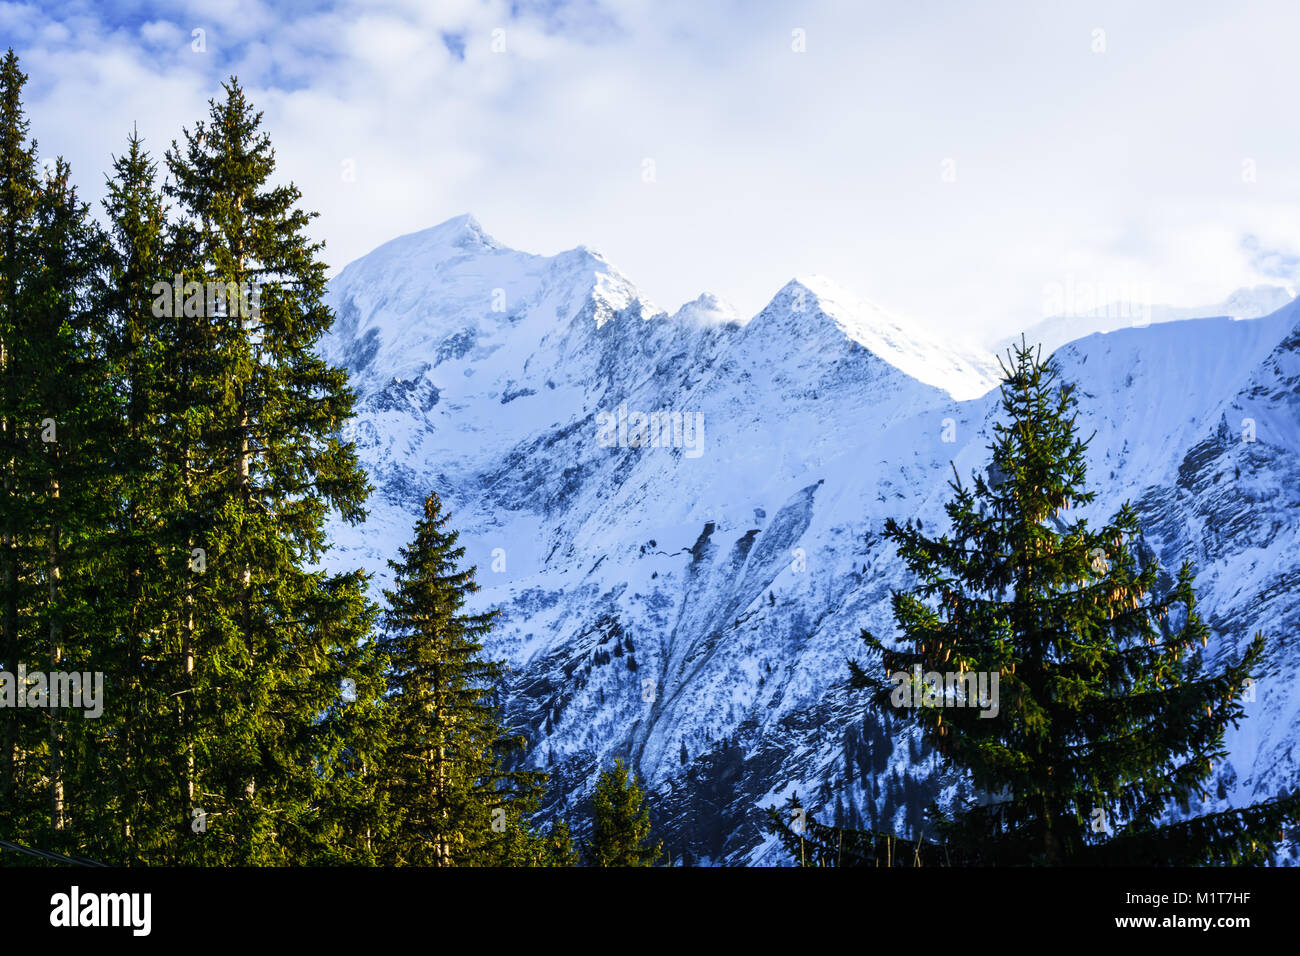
[(680, 515)]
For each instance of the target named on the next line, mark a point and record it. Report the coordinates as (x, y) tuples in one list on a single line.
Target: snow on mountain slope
[(964, 372), (1231, 506), (1150, 392), (680, 516)]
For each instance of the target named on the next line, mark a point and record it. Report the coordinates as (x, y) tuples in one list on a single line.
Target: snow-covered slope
[(689, 601)]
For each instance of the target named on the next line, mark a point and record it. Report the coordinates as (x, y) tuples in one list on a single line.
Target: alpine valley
[(679, 516)]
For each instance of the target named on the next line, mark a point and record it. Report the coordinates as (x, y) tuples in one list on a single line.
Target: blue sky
[(949, 161)]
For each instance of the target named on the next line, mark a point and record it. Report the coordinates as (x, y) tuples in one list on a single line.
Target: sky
[(956, 163)]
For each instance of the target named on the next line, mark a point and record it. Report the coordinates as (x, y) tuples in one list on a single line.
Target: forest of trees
[(170, 449)]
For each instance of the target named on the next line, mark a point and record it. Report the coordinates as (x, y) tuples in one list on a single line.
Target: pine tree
[(256, 461), (72, 409), (620, 822), (135, 595), (450, 799), (56, 405), (19, 187), (1105, 711)]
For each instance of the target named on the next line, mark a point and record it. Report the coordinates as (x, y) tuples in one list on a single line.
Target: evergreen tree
[(257, 463), (143, 590), (55, 408), (72, 409), (19, 186), (620, 822), (449, 797), (1106, 714)]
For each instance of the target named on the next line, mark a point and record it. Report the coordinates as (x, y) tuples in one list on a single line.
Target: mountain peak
[(409, 254), (708, 309), (960, 369), (462, 232)]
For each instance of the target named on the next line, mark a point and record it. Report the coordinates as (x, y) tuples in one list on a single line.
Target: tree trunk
[(53, 573), (9, 614)]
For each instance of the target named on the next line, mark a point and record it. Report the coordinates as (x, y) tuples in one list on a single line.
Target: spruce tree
[(257, 462), (56, 409), (19, 185), (1107, 717), (450, 799), (620, 822), (146, 784), (71, 411)]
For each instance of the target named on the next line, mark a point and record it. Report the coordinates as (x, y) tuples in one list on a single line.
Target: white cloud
[(161, 33), (768, 162)]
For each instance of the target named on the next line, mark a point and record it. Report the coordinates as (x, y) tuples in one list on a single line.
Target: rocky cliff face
[(679, 515)]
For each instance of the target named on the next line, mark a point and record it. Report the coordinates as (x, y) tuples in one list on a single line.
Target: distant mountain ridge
[(1250, 302)]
